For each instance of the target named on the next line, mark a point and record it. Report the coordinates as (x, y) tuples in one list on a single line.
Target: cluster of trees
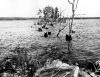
[(52, 14), (49, 13)]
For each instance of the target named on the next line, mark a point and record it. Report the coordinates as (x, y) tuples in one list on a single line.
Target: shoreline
[(34, 18)]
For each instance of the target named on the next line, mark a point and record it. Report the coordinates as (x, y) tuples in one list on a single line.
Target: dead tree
[(74, 6), (62, 28), (70, 22), (60, 31), (60, 15)]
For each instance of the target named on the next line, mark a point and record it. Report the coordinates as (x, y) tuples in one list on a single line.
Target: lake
[(86, 39)]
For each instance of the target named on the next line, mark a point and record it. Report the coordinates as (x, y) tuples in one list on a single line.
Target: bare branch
[(70, 2), (76, 4), (60, 31), (63, 27), (73, 1), (63, 11), (55, 73), (66, 74)]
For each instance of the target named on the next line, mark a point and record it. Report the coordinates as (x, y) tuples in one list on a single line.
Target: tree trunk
[(70, 27)]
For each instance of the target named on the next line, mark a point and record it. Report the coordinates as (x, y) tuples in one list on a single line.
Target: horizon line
[(30, 18)]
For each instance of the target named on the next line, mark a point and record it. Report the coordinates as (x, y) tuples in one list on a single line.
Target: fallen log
[(58, 65)]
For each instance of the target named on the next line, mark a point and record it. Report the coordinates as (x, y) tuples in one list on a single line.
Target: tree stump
[(46, 34)]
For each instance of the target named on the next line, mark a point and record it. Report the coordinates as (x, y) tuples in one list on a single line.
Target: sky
[(29, 8)]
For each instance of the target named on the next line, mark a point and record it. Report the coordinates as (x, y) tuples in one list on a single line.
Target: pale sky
[(29, 8)]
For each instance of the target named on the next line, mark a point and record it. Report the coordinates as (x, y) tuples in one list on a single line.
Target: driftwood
[(58, 65), (84, 74)]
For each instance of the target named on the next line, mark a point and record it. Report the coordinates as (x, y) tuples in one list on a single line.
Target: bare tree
[(74, 7), (74, 4)]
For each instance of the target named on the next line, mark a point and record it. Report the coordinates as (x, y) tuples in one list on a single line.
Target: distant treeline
[(23, 18), (86, 18)]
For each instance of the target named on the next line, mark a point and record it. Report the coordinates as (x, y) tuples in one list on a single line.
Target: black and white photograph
[(49, 38)]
